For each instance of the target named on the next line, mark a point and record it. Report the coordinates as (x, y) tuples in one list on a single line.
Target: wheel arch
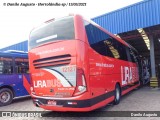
[(9, 87)]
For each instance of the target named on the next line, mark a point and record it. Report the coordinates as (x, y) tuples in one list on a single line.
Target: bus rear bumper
[(67, 109), (63, 105), (78, 105)]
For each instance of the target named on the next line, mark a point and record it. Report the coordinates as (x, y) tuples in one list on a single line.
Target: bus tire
[(6, 96), (117, 95)]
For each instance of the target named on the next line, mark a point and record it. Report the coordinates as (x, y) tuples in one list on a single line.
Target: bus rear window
[(60, 29)]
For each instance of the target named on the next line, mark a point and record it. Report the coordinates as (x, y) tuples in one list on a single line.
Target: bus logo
[(128, 74), (46, 83)]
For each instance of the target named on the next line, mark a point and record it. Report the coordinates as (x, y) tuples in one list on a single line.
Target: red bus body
[(68, 75)]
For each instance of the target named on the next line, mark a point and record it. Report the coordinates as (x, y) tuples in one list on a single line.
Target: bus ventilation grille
[(52, 61)]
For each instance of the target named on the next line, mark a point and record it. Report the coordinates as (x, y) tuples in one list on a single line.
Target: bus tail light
[(80, 83)]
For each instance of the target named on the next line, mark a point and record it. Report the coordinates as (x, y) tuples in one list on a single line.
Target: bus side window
[(103, 43), (117, 48), (112, 45), (128, 54), (133, 56), (6, 66), (21, 66), (122, 50), (1, 67), (96, 39)]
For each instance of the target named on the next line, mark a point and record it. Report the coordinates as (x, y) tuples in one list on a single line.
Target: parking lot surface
[(143, 99)]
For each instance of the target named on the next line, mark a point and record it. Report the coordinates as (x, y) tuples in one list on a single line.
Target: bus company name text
[(46, 83), (128, 74)]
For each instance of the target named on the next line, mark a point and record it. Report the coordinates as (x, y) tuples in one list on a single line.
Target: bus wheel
[(6, 96), (117, 94)]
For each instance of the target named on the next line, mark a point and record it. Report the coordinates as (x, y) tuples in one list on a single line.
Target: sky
[(16, 22)]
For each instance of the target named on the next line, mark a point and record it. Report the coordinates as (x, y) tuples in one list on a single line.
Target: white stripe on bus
[(63, 81)]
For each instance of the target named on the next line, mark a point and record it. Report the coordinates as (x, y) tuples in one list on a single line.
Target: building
[(22, 46), (139, 25)]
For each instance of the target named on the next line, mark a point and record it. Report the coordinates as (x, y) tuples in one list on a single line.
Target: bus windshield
[(60, 29)]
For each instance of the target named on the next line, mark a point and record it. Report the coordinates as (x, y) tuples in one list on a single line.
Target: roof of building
[(139, 15), (22, 46)]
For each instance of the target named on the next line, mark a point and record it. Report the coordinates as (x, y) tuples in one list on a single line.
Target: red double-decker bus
[(76, 65)]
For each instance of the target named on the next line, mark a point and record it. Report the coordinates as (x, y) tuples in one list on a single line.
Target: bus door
[(21, 68)]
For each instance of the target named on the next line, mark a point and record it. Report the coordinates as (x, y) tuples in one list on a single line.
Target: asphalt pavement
[(143, 99)]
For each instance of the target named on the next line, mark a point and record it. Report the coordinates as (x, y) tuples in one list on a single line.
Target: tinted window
[(6, 65), (100, 47), (103, 43), (21, 65), (61, 29), (117, 49), (133, 55), (1, 67), (96, 39)]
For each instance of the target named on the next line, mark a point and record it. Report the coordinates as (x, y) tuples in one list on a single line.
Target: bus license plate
[(52, 102)]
